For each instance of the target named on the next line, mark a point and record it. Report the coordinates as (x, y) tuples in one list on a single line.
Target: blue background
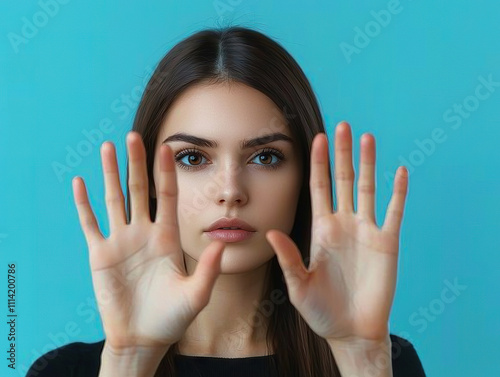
[(70, 78)]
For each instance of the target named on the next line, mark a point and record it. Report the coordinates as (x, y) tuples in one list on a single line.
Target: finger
[(320, 185), (206, 272), (114, 195), (366, 181), (138, 180), (86, 216), (344, 171), (394, 215), (289, 258), (167, 189)]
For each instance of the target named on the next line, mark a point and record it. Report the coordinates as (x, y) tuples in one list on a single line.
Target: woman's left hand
[(347, 292)]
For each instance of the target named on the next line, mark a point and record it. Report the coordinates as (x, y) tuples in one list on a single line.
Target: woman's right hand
[(144, 294)]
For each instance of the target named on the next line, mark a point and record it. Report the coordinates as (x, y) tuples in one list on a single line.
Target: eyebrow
[(244, 144)]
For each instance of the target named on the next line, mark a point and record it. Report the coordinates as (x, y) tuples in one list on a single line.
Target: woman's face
[(259, 184)]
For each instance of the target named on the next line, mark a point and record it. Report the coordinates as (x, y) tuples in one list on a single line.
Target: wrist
[(131, 361), (361, 357)]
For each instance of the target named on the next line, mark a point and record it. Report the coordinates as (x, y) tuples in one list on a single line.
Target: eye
[(194, 155), (188, 153), (271, 152)]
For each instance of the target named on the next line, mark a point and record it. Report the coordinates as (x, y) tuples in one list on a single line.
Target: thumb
[(290, 260), (207, 270)]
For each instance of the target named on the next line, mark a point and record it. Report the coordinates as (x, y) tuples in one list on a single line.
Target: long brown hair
[(239, 54)]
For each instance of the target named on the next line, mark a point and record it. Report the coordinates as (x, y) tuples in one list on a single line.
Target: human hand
[(144, 295), (348, 290)]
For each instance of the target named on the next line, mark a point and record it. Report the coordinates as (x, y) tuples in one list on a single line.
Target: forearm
[(362, 358), (138, 362)]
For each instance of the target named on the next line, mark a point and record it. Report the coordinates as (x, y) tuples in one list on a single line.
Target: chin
[(237, 264)]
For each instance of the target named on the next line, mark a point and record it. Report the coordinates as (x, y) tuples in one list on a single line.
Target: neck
[(233, 323)]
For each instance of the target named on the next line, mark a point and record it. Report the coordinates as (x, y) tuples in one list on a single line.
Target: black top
[(80, 359)]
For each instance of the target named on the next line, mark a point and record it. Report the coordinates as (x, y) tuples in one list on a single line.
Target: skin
[(231, 182), (345, 295)]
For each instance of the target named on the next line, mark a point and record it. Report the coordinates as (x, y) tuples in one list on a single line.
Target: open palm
[(348, 289), (144, 294)]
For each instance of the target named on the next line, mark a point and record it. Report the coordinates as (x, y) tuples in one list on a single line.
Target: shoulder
[(70, 360), (405, 360)]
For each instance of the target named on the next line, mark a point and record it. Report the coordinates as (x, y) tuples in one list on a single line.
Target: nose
[(231, 187)]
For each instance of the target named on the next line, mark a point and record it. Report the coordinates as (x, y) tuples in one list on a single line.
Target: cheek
[(278, 200), (190, 202), (188, 215)]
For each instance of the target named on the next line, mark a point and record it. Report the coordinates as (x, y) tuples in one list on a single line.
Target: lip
[(230, 235), (225, 222)]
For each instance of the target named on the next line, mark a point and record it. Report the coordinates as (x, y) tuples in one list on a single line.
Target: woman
[(228, 134)]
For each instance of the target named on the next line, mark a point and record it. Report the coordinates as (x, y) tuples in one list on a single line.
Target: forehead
[(224, 111)]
